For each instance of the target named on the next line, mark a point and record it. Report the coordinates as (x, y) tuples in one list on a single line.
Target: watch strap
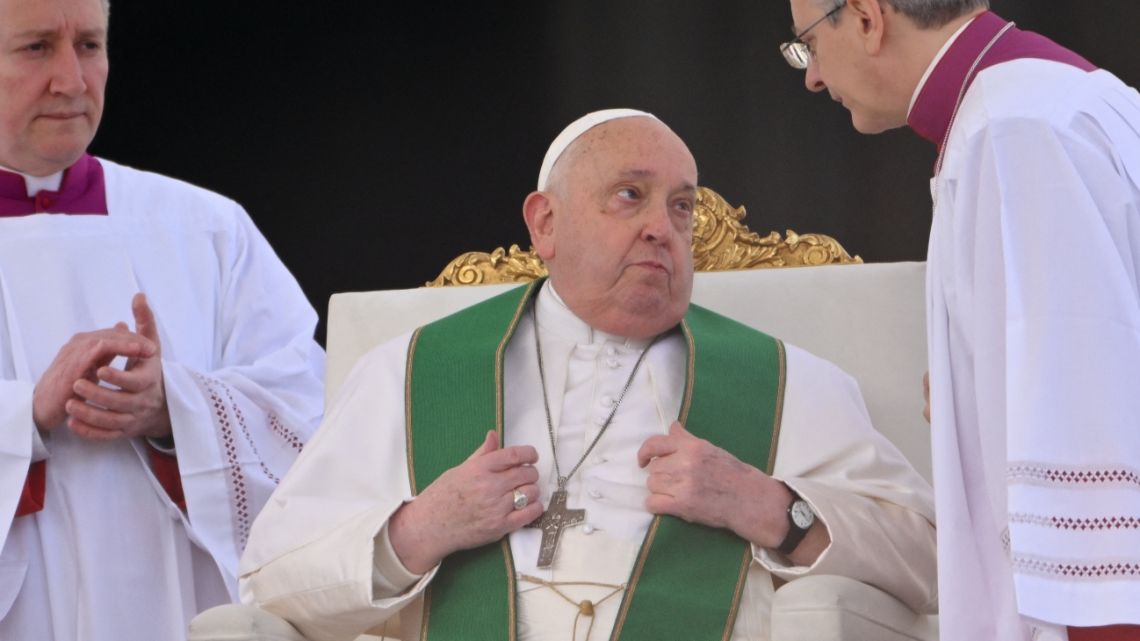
[(796, 533)]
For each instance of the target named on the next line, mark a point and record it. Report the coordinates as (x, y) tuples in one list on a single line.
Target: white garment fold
[(1034, 339)]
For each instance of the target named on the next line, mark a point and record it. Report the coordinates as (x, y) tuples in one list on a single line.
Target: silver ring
[(521, 500)]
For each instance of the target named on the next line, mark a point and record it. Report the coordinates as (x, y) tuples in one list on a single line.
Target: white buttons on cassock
[(611, 350), (588, 529), (608, 401), (594, 494), (613, 363)]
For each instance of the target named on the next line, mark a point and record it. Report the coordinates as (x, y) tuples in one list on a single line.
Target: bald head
[(614, 226)]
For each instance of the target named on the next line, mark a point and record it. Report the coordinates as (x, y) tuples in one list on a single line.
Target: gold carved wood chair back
[(721, 241)]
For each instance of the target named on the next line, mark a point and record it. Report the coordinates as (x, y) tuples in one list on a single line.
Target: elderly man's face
[(619, 241), (53, 71)]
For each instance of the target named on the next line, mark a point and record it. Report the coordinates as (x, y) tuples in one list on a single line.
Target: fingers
[(490, 444), (105, 397), (662, 482), (97, 417), (530, 490), (662, 504), (92, 433), (520, 518), (129, 380), (656, 446), (662, 445), (518, 476), (509, 457), (127, 400), (499, 459), (105, 348), (145, 323)]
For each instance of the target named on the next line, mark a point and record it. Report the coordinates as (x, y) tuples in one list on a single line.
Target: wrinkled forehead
[(806, 11), (644, 146), (50, 16)]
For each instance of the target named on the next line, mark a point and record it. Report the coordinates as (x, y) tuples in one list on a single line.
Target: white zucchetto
[(575, 130)]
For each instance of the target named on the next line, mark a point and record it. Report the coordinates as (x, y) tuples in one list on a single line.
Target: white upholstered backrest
[(868, 319)]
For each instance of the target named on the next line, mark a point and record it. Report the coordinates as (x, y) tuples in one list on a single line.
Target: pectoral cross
[(555, 519)]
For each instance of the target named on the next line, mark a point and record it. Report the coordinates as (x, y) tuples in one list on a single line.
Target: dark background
[(372, 142)]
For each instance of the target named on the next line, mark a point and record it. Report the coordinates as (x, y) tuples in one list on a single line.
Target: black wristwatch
[(800, 520)]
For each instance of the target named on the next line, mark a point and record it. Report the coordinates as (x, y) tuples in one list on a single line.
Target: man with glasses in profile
[(1034, 355)]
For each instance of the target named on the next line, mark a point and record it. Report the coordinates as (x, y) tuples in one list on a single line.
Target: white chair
[(866, 318)]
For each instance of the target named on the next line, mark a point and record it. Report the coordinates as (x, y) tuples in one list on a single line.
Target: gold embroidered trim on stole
[(408, 410), (635, 577), (508, 556), (426, 615), (741, 579), (411, 465), (690, 372), (778, 419), (777, 582)]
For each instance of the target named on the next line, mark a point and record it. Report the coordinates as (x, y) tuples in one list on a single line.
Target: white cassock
[(110, 557), (1034, 339), (319, 554)]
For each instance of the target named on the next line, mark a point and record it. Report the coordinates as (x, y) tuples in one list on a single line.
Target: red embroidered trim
[(1075, 570), (1058, 475), (285, 433), (1070, 523), (240, 416), (239, 496)]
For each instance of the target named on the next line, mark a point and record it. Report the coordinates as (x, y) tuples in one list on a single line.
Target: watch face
[(802, 515)]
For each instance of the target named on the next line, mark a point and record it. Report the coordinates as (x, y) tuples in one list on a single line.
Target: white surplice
[(319, 554), (1034, 341), (110, 557)]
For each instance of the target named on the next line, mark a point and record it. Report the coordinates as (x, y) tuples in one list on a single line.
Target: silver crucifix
[(555, 519)]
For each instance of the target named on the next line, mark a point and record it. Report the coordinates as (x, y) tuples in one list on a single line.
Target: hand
[(695, 480), (926, 395), (136, 406), (471, 504), (79, 359)]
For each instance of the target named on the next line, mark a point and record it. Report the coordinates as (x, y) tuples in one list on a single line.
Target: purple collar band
[(930, 117), (81, 192)]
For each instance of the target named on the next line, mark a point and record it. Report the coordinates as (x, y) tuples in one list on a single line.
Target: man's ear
[(871, 21), (538, 212)]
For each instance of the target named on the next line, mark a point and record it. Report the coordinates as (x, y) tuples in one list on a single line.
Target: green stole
[(687, 576)]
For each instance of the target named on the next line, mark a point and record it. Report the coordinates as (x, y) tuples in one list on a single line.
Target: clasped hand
[(693, 479), (471, 504), (71, 391)]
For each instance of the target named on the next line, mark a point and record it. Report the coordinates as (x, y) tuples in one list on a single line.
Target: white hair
[(926, 14)]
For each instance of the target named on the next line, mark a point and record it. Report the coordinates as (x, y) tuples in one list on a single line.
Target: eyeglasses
[(797, 52)]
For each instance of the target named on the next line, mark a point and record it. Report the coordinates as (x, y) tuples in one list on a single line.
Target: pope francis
[(590, 456)]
